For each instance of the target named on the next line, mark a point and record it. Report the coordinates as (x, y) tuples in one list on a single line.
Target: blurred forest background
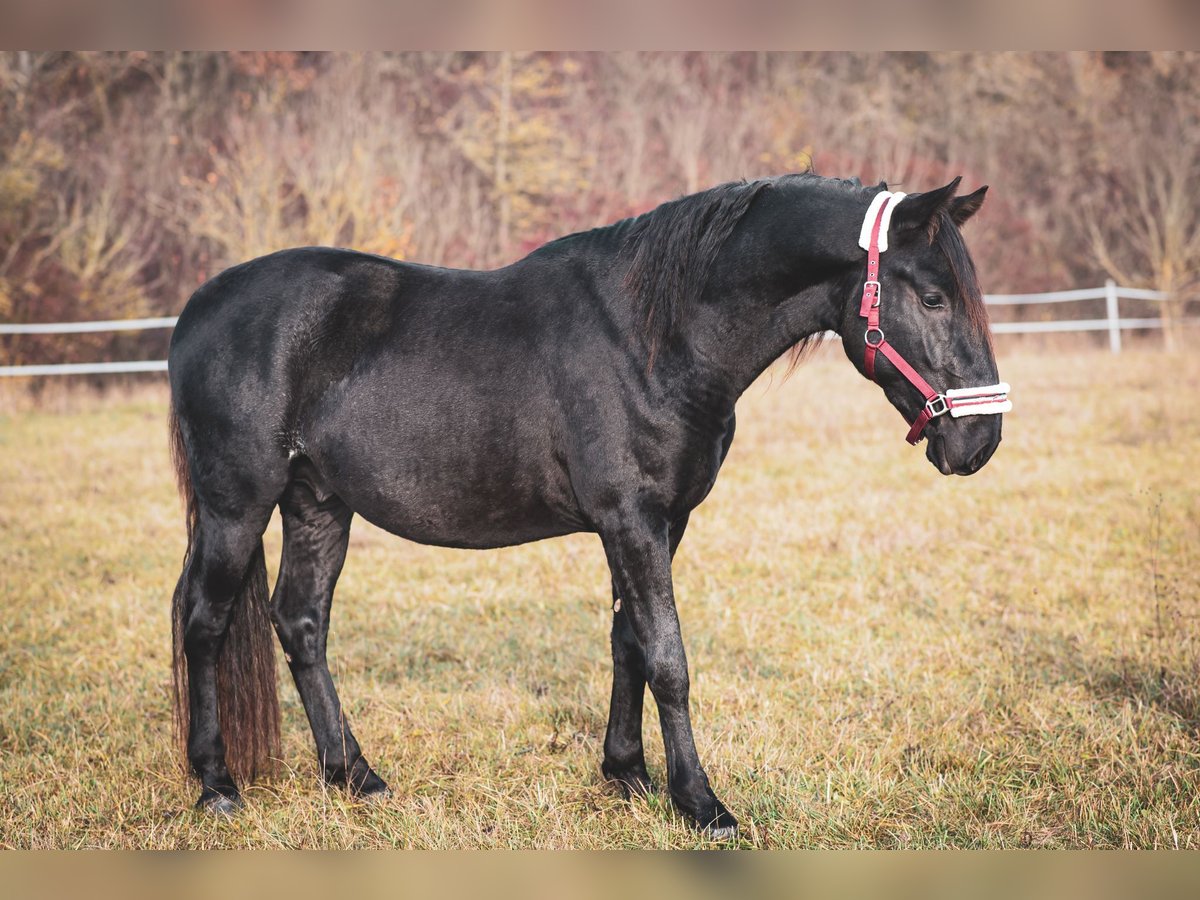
[(127, 179)]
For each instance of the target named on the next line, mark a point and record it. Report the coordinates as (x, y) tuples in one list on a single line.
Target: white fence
[(1111, 293)]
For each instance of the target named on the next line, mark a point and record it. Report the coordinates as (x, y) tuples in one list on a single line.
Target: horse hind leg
[(226, 704), (316, 531)]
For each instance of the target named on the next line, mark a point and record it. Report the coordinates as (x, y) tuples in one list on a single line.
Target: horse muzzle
[(962, 446)]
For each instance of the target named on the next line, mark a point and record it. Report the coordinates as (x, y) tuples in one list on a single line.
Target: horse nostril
[(981, 457)]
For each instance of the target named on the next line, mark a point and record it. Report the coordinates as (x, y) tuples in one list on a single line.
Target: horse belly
[(457, 513), (450, 475)]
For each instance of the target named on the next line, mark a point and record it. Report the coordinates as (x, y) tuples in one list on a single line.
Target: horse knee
[(212, 581), (201, 636), (301, 638), (668, 679), (206, 624)]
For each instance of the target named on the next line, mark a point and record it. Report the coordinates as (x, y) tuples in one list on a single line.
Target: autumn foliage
[(128, 179)]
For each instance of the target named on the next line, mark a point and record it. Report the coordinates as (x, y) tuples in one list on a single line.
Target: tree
[(1143, 216)]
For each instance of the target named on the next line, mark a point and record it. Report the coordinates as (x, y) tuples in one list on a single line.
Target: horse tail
[(179, 679), (247, 700)]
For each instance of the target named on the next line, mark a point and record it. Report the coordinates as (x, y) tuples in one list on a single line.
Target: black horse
[(587, 387)]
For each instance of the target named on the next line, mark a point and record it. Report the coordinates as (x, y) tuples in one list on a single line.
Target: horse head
[(916, 324)]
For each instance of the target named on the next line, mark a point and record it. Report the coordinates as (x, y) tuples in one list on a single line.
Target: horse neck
[(754, 311)]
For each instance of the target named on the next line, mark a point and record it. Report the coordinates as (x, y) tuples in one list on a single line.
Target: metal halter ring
[(867, 338), (937, 406)]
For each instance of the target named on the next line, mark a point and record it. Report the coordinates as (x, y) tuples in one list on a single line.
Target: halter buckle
[(878, 290), (937, 406)]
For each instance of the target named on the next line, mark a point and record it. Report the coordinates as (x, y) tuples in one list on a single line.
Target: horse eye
[(933, 301)]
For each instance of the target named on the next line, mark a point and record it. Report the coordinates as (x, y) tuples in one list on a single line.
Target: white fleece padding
[(981, 409), (993, 399), (864, 234)]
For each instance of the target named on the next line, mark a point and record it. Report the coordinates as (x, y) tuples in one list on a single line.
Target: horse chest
[(671, 464), (697, 468)]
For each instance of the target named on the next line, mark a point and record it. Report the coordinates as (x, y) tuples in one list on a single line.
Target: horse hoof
[(715, 823), (723, 834), (374, 797), (375, 790), (219, 804), (370, 788)]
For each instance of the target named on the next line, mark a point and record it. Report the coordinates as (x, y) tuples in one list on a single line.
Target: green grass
[(881, 657)]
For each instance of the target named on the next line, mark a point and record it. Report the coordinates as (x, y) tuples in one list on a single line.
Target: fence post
[(1114, 316)]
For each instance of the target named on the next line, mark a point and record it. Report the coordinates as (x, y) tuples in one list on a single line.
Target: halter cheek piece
[(977, 401)]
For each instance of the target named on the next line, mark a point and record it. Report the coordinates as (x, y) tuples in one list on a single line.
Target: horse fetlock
[(208, 762), (708, 815), (630, 777), (360, 779), (694, 798)]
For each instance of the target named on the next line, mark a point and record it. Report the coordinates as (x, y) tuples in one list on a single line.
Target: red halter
[(988, 400)]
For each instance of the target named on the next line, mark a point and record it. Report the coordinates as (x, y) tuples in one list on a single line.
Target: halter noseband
[(977, 401)]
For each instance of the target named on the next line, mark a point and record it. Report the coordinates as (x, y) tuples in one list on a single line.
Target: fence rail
[(99, 368), (1111, 293), (81, 327)]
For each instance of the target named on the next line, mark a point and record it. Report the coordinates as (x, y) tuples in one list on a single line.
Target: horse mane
[(673, 248)]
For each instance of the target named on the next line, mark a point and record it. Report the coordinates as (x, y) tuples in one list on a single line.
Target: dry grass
[(881, 656)]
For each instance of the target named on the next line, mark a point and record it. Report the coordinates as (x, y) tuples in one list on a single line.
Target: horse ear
[(922, 211), (962, 208)]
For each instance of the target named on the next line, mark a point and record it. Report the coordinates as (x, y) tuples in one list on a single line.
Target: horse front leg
[(639, 555), (624, 754)]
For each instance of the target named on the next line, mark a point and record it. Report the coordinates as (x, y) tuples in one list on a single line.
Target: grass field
[(880, 656)]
